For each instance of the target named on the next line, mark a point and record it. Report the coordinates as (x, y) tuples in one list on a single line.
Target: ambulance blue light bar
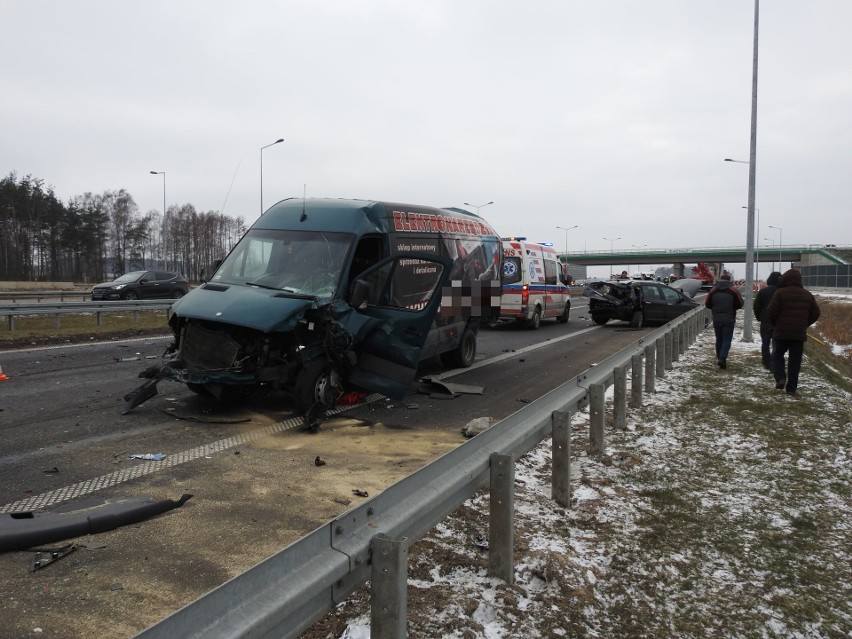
[(513, 239)]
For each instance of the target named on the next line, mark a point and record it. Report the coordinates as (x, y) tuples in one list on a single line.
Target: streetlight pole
[(766, 239), (477, 207), (566, 237), (611, 241), (163, 173), (756, 246), (278, 141), (779, 229)]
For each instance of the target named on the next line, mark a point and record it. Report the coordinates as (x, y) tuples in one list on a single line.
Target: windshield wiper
[(259, 285)]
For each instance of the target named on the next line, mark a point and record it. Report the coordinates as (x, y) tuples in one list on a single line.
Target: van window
[(392, 285), (305, 262), (512, 272), (550, 272)]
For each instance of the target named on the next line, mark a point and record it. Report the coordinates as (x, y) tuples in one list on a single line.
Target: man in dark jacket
[(724, 300), (761, 301), (791, 310)]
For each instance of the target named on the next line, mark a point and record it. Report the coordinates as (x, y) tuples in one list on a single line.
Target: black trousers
[(766, 344), (794, 365)]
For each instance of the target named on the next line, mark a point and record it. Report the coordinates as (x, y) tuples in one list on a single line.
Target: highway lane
[(255, 483)]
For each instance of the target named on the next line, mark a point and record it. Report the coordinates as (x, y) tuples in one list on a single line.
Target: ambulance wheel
[(637, 319), (461, 356), (315, 387), (599, 320), (564, 317), (535, 321)]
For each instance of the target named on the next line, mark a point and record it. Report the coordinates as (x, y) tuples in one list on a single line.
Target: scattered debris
[(22, 530), (360, 493), (342, 502), (127, 359), (476, 426), (440, 389), (350, 398), (319, 461), (148, 456), (45, 557), (524, 401), (412, 406), (206, 420), (50, 471), (480, 540)]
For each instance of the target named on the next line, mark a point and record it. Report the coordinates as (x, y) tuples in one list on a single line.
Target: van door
[(399, 298)]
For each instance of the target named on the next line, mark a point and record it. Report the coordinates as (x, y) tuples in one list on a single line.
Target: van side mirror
[(359, 294)]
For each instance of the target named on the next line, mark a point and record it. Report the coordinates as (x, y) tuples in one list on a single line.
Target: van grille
[(203, 349)]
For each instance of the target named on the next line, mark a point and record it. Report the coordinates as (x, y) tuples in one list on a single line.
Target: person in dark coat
[(761, 301), (724, 300), (791, 310)]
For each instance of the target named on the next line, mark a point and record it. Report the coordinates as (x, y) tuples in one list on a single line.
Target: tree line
[(94, 237)]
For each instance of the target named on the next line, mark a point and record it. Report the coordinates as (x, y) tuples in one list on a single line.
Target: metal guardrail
[(286, 593), (11, 311), (14, 296)]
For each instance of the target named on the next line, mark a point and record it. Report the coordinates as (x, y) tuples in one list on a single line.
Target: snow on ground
[(722, 519)]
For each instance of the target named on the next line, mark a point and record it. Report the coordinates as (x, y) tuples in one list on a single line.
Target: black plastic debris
[(19, 531), (319, 461), (360, 493), (45, 557)]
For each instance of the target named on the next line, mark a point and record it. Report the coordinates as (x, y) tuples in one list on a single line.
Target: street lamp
[(477, 207), (766, 239), (779, 229), (163, 173), (615, 239), (757, 245), (278, 141), (566, 236)]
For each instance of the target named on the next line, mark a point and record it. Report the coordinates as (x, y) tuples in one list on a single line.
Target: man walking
[(761, 301), (724, 300), (791, 310)]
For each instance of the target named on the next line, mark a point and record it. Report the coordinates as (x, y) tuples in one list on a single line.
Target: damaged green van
[(322, 296)]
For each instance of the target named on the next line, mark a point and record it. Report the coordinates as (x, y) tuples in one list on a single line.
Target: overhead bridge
[(801, 255)]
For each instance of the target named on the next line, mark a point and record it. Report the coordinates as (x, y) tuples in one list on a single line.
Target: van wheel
[(316, 387), (564, 317), (535, 321), (199, 389), (599, 320), (463, 355), (637, 319)]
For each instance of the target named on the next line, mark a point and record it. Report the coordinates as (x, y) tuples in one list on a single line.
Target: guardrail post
[(636, 381), (667, 350), (56, 322), (596, 419), (684, 338), (135, 317), (11, 323), (619, 401), (650, 367), (501, 533), (675, 333), (98, 317), (388, 588), (560, 457), (661, 356)]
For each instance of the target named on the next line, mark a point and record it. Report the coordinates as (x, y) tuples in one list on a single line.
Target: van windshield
[(302, 262)]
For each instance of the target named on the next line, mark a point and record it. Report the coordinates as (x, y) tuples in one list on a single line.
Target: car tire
[(535, 321), (599, 320), (177, 294), (315, 387), (564, 317), (461, 356), (637, 319), (131, 295)]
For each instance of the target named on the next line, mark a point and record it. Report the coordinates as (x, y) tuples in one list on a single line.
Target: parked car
[(640, 302), (138, 285)]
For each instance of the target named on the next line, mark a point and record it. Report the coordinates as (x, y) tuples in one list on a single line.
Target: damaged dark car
[(640, 302)]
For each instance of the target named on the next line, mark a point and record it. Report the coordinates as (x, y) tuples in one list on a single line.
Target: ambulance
[(534, 286)]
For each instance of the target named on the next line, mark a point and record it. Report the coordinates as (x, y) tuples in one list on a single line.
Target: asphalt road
[(252, 473)]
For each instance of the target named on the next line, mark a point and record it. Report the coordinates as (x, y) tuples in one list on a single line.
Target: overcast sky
[(612, 115)]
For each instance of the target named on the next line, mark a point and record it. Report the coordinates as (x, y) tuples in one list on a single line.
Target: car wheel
[(564, 317), (599, 320), (535, 321), (463, 355), (316, 387), (637, 319), (131, 295), (177, 294)]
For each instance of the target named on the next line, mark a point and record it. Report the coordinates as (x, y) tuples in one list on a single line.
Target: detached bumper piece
[(19, 531)]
